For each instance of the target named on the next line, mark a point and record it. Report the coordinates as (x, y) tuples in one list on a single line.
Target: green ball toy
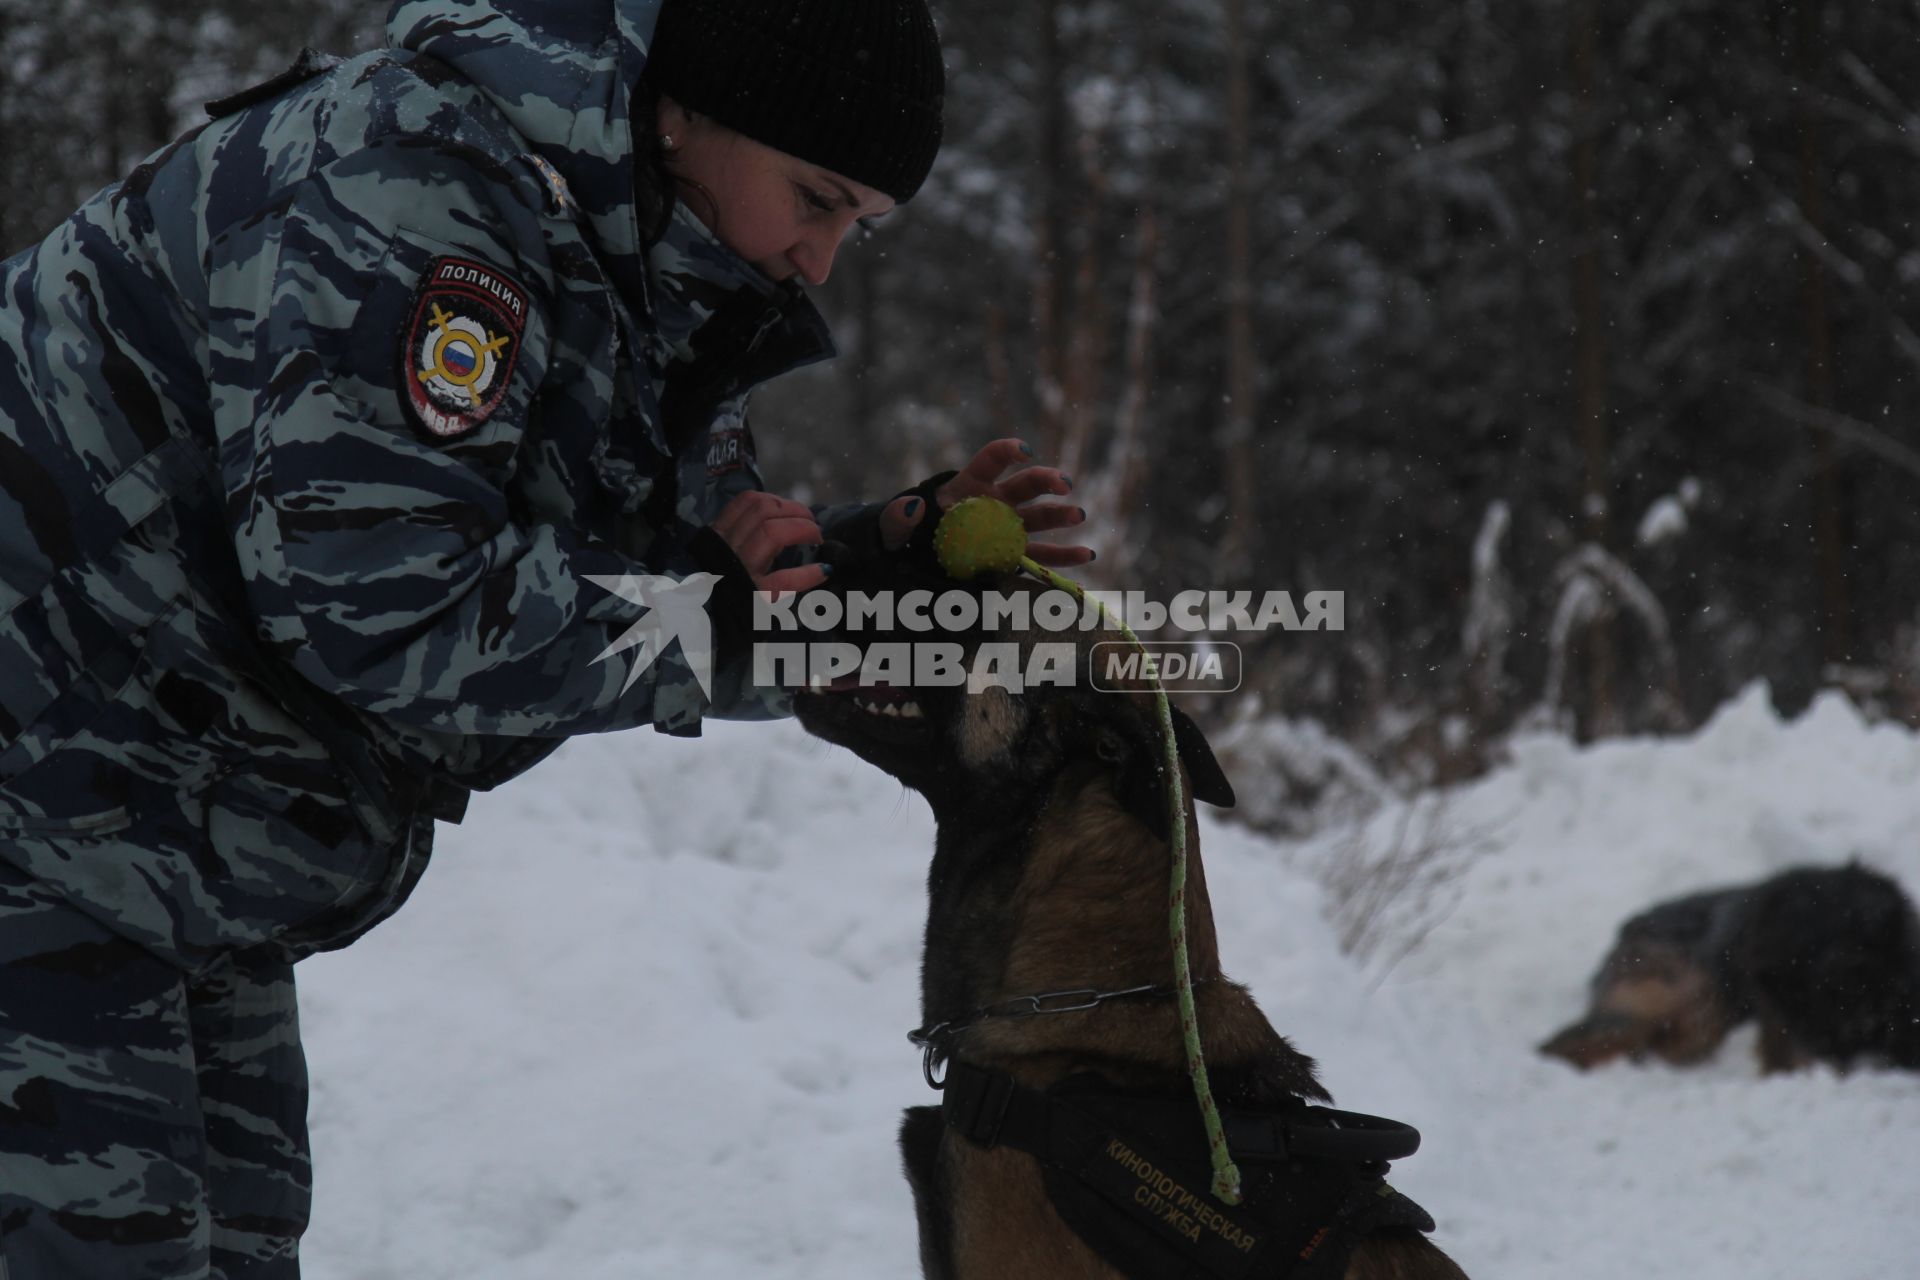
[(979, 535)]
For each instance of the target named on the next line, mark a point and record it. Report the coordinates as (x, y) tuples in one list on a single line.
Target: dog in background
[(1826, 959), (1050, 875)]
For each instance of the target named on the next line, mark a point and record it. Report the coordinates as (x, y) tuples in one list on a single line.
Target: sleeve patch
[(460, 346), (727, 451)]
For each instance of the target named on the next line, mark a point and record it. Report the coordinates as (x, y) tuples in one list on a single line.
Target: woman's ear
[(672, 123), (672, 120)]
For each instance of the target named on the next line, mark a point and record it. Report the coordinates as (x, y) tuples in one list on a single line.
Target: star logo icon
[(676, 610)]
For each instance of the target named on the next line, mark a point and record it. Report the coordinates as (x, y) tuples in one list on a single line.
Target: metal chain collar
[(932, 1039)]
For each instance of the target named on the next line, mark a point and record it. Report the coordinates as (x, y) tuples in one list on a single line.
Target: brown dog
[(1069, 1145), (1826, 959)]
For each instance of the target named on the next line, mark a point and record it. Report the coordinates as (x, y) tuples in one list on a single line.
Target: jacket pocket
[(104, 743)]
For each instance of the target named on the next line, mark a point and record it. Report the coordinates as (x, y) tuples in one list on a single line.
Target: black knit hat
[(854, 86)]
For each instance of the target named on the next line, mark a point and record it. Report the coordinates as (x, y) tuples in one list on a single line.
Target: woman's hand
[(758, 526), (987, 473)]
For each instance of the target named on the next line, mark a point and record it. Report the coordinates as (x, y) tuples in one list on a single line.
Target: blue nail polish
[(913, 505), (826, 570), (1069, 480), (1026, 448), (1092, 556)]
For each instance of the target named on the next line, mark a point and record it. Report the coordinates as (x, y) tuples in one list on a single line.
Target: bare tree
[(1240, 392), (1590, 348)]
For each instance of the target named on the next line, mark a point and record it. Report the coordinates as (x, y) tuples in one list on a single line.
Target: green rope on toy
[(982, 534)]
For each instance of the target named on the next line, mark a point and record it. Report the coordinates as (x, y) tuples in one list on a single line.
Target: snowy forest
[(1576, 341)]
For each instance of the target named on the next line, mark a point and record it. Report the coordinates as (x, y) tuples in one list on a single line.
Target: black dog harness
[(1129, 1172)]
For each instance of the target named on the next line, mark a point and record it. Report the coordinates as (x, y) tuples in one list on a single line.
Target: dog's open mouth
[(878, 699), (889, 712)]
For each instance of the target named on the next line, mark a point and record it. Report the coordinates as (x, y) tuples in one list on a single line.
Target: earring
[(666, 143)]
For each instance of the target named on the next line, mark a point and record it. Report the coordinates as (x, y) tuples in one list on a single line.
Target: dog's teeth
[(898, 710)]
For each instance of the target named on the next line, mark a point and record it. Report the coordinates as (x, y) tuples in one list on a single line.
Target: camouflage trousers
[(152, 1122)]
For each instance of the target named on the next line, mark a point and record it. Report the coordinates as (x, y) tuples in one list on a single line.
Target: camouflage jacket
[(312, 431)]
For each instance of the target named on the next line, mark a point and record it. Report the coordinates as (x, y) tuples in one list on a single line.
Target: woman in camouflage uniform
[(316, 434)]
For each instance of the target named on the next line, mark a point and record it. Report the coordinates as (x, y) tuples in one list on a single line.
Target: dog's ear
[(1209, 779), (1136, 759)]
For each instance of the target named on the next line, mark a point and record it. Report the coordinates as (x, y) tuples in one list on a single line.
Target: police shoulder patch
[(460, 345)]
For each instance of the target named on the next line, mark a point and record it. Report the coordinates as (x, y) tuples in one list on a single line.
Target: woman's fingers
[(1020, 490), (754, 507), (987, 466), (759, 526), (1040, 519), (764, 542), (1042, 516), (1034, 482), (983, 471), (1053, 557)]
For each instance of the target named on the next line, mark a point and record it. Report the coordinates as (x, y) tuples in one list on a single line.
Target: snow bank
[(1647, 1170)]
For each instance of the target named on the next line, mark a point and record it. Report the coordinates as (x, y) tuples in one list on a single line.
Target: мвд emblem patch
[(461, 345)]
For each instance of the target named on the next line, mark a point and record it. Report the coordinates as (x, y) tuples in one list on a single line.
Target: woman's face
[(785, 216)]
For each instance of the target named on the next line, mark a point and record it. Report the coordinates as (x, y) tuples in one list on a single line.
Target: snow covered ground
[(645, 1018)]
